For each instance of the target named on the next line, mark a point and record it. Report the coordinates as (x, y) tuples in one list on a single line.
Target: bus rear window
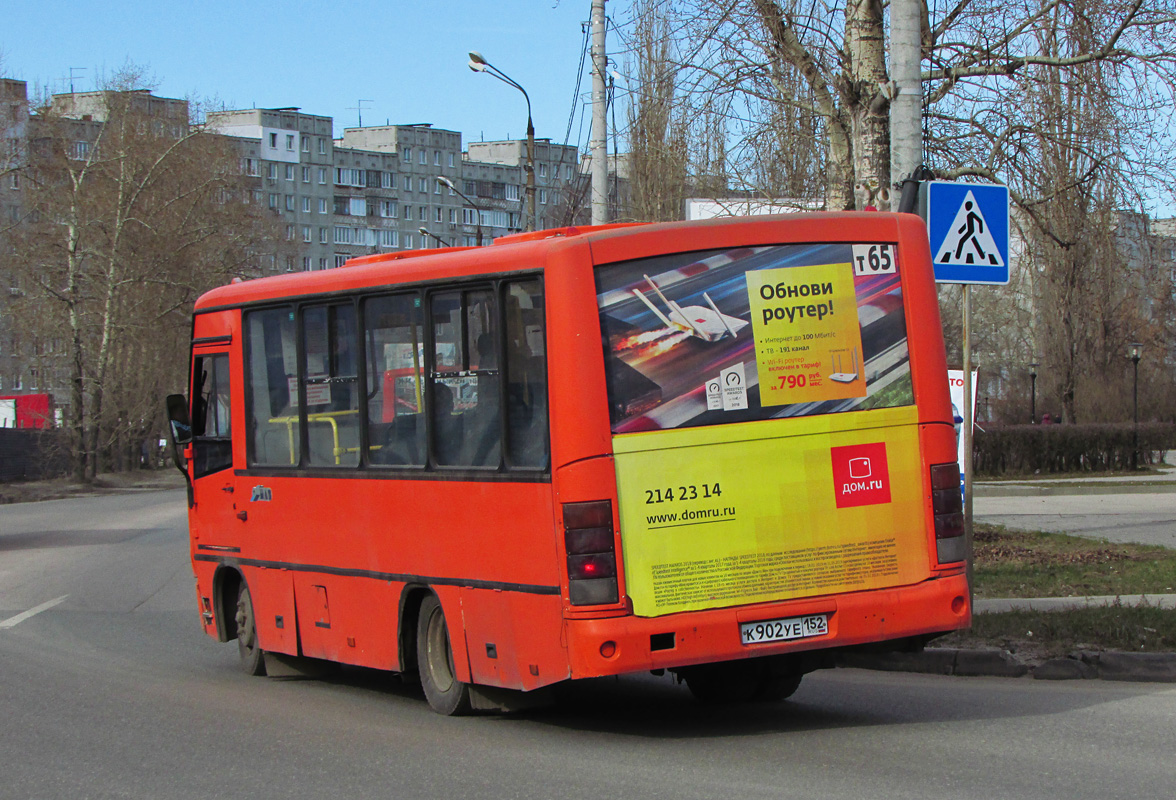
[(752, 333)]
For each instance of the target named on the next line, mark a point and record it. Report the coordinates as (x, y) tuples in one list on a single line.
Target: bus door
[(213, 480)]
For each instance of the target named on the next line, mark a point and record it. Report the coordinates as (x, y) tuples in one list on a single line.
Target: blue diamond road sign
[(968, 227)]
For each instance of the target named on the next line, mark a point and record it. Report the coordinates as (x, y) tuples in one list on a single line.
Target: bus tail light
[(592, 558), (947, 503)]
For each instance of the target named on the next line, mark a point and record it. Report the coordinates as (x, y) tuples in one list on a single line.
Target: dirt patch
[(106, 483)]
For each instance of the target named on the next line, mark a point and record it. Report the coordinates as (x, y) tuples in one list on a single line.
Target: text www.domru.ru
[(691, 517)]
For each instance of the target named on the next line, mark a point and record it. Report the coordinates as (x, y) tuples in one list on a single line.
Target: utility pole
[(598, 144), (906, 107)]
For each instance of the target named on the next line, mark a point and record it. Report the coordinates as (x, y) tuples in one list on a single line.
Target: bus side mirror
[(179, 428)]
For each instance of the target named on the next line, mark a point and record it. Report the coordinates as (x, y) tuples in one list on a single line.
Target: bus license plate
[(782, 630)]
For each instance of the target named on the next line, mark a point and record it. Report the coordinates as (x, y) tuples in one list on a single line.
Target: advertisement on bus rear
[(814, 497)]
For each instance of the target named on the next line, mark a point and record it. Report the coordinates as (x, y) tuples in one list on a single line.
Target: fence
[(29, 455)]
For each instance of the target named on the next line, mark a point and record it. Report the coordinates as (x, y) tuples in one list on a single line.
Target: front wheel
[(252, 660), (445, 693)]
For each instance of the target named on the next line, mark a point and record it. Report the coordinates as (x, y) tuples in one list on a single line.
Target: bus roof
[(609, 243)]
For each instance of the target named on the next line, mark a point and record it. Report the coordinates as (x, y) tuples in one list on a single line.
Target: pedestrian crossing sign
[(968, 228)]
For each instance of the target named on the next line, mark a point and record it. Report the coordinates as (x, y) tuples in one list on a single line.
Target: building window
[(322, 263), (289, 233), (542, 170), (423, 213), (349, 176), (322, 235), (306, 205), (387, 209), (407, 239), (567, 172), (423, 185), (451, 159), (421, 159), (289, 202), (452, 216), (512, 191), (289, 172), (249, 166), (387, 180), (408, 213), (271, 171), (274, 141), (406, 155), (407, 183), (290, 142), (306, 259), (322, 146), (322, 205), (306, 172), (436, 158), (273, 200), (436, 187), (543, 196), (341, 259), (322, 175), (306, 144), (307, 234)]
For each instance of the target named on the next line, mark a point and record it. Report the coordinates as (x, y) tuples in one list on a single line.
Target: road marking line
[(12, 622)]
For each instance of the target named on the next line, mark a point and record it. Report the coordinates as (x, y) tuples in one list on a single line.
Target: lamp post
[(479, 64), (441, 179), (1134, 350), (1033, 365), (426, 232)]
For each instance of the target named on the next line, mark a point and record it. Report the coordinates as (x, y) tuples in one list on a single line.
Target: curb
[(1083, 664)]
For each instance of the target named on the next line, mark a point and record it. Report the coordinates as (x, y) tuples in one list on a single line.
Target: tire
[(745, 681), (445, 693), (252, 659)]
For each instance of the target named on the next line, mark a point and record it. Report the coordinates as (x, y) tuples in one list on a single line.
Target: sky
[(406, 60)]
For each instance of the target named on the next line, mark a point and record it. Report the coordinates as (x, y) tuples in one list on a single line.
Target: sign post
[(968, 229)]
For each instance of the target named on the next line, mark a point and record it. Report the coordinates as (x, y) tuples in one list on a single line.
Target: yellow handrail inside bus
[(290, 420)]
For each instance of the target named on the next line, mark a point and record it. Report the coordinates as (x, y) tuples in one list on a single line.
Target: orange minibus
[(722, 448)]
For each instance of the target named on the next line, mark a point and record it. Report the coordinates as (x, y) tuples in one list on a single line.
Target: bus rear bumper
[(616, 645)]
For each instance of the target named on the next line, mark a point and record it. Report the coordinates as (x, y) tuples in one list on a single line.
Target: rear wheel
[(251, 656), (758, 679), (445, 693)]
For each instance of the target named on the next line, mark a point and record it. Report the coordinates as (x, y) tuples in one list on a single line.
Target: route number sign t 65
[(968, 228)]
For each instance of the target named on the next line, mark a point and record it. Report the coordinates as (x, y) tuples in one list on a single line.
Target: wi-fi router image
[(839, 373)]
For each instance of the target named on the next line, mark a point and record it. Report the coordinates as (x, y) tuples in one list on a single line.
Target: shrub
[(1028, 449)]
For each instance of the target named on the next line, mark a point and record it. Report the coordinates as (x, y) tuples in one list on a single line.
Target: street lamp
[(480, 64), (426, 232), (1134, 350), (441, 179), (1033, 365)]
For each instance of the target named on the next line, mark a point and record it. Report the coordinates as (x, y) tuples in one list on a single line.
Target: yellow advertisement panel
[(808, 341), (713, 517)]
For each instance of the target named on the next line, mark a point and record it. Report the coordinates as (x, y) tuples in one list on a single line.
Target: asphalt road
[(1121, 513), (115, 693)]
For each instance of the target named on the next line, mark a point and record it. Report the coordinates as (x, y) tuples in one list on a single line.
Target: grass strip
[(1033, 564), (1142, 629)]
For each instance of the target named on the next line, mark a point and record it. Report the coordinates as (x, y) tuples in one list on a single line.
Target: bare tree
[(133, 212), (657, 125)]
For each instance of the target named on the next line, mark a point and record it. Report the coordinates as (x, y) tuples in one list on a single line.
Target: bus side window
[(272, 397), (526, 375), (465, 353), (394, 338), (212, 445), (331, 385)]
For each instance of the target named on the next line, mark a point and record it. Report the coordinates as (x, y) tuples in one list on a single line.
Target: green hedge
[(1029, 449)]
